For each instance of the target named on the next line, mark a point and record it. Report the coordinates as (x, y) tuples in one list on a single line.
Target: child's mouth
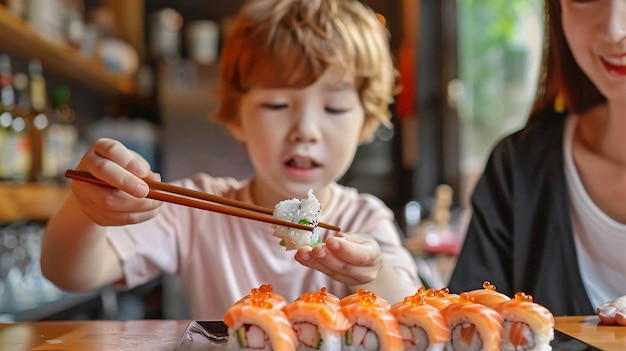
[(302, 163)]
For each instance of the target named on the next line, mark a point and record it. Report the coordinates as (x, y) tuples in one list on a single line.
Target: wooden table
[(164, 334), (139, 335), (588, 329)]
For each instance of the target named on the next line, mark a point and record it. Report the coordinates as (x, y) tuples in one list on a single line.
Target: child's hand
[(122, 168), (352, 259), (613, 312)]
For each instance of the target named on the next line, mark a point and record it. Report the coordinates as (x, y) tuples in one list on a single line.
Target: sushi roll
[(488, 296), (373, 326), (526, 325), (257, 322), (318, 321), (305, 212), (440, 298), (473, 326), (423, 326)]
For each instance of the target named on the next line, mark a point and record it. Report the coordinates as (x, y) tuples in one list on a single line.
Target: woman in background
[(548, 213)]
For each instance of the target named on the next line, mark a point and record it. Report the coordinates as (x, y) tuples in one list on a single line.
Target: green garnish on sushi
[(319, 241), (305, 221)]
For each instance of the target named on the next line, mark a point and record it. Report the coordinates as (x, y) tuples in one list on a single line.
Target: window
[(499, 52)]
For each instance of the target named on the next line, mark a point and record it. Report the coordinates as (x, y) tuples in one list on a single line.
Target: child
[(548, 213), (303, 82)]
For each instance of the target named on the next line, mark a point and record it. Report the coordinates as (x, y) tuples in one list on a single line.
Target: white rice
[(456, 343), (539, 342), (232, 344), (298, 211), (331, 342)]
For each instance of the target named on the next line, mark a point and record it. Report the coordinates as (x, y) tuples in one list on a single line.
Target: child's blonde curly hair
[(290, 43)]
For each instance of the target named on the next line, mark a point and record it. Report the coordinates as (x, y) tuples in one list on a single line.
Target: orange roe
[(443, 292), (367, 297), (318, 296), (522, 297), (430, 292), (266, 288), (487, 285), (415, 300), (466, 298), (260, 296)]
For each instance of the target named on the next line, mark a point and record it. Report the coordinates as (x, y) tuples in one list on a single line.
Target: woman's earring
[(559, 103)]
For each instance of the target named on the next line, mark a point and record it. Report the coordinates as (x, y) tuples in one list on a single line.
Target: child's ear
[(234, 127)]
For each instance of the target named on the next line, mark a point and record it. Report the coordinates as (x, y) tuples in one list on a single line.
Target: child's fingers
[(115, 151), (115, 164), (355, 249), (113, 207), (116, 218), (119, 201), (154, 176), (335, 264), (346, 276)]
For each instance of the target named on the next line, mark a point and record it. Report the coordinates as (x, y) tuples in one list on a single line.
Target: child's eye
[(335, 111), (272, 106)]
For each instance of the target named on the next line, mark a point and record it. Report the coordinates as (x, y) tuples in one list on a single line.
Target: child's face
[(596, 34), (301, 139)]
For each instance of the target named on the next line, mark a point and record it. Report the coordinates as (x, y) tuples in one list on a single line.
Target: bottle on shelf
[(61, 137), (37, 119), (46, 18), (16, 147), (7, 100)]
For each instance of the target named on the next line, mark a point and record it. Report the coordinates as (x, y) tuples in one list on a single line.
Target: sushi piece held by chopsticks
[(300, 211)]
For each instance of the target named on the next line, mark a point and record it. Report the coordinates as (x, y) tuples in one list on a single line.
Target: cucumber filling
[(252, 337), (363, 337)]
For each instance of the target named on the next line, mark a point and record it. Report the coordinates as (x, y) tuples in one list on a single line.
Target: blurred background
[(144, 72)]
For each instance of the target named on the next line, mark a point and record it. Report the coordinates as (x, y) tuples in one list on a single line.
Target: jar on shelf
[(46, 18)]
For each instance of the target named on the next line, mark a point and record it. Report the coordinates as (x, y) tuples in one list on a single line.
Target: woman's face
[(596, 33)]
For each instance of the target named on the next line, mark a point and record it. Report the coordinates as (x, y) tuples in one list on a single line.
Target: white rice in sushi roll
[(307, 212)]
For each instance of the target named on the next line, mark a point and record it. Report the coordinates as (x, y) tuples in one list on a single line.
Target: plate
[(565, 342), (203, 335), (213, 335)]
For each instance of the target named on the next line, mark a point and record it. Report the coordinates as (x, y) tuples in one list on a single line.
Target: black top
[(520, 236)]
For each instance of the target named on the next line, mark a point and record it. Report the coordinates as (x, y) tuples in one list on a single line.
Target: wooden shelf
[(30, 201), (18, 37)]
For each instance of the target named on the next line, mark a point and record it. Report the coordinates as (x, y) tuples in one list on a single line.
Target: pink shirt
[(220, 258)]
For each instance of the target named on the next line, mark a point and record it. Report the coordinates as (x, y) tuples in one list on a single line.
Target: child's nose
[(306, 126)]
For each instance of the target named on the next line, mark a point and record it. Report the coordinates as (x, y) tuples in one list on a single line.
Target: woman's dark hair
[(560, 74)]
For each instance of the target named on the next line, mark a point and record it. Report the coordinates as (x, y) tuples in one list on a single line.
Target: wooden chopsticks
[(188, 197)]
